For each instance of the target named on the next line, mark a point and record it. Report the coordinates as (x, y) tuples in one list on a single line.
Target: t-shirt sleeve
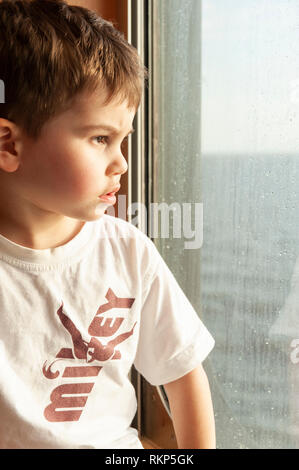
[(172, 340)]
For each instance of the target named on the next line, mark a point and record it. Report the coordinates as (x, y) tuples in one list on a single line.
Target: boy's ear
[(10, 146)]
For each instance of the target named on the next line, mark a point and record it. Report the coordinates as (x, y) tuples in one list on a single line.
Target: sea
[(244, 284), (249, 296)]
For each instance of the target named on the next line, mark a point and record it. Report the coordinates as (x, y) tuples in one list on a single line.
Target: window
[(225, 134)]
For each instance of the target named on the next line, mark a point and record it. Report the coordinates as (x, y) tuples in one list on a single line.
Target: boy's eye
[(101, 139)]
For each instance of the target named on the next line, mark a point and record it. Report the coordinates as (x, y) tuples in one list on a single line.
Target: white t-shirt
[(73, 321)]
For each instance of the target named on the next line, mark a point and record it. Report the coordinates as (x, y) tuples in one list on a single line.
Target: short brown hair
[(50, 51)]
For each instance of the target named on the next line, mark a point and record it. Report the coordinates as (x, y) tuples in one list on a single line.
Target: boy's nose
[(118, 165)]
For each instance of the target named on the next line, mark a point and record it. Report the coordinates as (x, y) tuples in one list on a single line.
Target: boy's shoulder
[(115, 226), (126, 235), (130, 243)]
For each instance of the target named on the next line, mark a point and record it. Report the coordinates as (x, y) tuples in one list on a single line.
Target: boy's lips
[(110, 196)]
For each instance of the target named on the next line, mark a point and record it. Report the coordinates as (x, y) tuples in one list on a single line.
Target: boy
[(83, 295)]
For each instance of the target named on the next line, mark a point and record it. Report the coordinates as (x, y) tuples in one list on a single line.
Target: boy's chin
[(91, 215), (102, 209)]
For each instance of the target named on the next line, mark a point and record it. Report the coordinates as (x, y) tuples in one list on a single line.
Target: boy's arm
[(192, 410)]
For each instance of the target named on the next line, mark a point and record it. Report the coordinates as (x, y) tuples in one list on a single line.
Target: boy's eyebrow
[(106, 128)]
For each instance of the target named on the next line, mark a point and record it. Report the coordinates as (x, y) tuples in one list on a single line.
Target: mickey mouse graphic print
[(66, 409), (74, 319)]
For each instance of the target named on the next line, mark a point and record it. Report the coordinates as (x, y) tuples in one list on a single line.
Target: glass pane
[(227, 98)]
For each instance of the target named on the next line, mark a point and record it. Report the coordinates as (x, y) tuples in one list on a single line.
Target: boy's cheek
[(82, 187)]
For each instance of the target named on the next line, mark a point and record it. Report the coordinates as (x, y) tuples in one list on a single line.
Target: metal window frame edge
[(139, 145), (141, 150)]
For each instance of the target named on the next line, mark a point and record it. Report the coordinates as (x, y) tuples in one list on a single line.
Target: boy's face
[(71, 164)]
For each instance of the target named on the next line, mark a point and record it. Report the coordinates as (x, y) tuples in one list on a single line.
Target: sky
[(250, 76)]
